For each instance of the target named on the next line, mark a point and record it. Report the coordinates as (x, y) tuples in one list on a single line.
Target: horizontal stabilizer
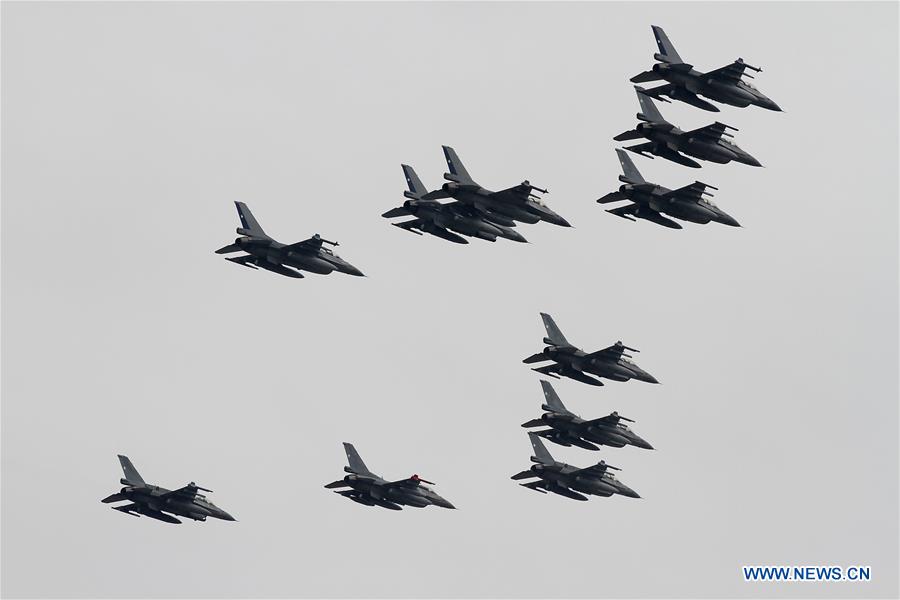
[(400, 211), (645, 77), (228, 249), (524, 475), (616, 196), (631, 134), (535, 358)]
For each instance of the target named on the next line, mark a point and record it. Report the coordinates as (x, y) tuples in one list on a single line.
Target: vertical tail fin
[(649, 112), (667, 51), (541, 454), (629, 171), (249, 225), (132, 477), (457, 170), (552, 402), (416, 188), (353, 459), (554, 335)]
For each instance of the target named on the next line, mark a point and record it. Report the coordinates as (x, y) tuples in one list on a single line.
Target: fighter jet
[(154, 501), (569, 361), (688, 203), (435, 218), (518, 203), (723, 85), (570, 481), (668, 141), (368, 488), (264, 252), (568, 429)]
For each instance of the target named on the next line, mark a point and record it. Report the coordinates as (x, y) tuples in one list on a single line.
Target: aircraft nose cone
[(641, 443), (552, 217), (768, 104), (517, 237), (749, 160), (438, 501), (351, 270), (647, 377), (627, 491), (728, 220), (226, 517)]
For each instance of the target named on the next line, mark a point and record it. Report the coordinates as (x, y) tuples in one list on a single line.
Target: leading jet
[(569, 481), (670, 142), (569, 361), (370, 489), (155, 502), (568, 429), (441, 220), (285, 259), (725, 85), (649, 201), (518, 203)]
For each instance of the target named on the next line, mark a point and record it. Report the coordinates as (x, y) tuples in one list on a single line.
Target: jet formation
[(285, 259), (568, 429), (475, 211), (649, 201), (566, 480), (155, 502), (669, 142), (725, 85), (372, 490), (569, 361)]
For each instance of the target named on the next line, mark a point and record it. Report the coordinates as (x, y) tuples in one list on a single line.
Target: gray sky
[(129, 130)]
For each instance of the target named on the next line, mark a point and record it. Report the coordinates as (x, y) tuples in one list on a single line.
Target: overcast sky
[(129, 130)]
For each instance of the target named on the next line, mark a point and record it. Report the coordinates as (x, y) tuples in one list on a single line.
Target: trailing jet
[(264, 252), (154, 501), (668, 141), (368, 488), (725, 85), (650, 200), (568, 429), (570, 481), (435, 218), (569, 361), (518, 203)]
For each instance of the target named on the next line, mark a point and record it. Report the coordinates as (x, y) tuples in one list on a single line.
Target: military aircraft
[(264, 252), (568, 429), (368, 488), (435, 218), (569, 361), (670, 142), (154, 501), (570, 481), (650, 200), (518, 203), (685, 83)]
